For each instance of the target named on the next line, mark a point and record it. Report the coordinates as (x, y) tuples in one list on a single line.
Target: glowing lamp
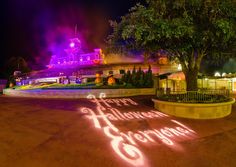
[(217, 74), (98, 78), (98, 75), (72, 44), (179, 67)]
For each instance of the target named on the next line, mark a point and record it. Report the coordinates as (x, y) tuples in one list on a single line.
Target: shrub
[(138, 78)]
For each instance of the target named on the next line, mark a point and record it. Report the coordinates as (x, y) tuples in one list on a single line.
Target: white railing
[(201, 96)]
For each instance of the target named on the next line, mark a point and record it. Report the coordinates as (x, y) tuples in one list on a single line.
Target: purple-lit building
[(71, 63), (75, 65), (75, 56)]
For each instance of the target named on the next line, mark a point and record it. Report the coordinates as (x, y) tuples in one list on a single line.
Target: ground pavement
[(109, 133)]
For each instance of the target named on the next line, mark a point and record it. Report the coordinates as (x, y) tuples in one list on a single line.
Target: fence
[(200, 96)]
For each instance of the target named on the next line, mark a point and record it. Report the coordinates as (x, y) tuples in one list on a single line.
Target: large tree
[(188, 29)]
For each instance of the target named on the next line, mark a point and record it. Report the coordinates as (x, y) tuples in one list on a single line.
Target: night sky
[(32, 28)]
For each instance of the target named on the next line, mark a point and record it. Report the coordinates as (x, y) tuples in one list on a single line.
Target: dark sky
[(32, 28)]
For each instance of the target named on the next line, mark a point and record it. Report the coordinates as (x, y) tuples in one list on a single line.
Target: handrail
[(201, 96)]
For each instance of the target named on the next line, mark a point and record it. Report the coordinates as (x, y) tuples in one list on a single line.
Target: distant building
[(74, 56), (76, 64)]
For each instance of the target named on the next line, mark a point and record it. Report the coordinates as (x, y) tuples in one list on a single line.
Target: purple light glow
[(75, 55), (72, 44)]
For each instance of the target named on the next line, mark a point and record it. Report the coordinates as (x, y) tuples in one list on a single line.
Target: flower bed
[(77, 93)]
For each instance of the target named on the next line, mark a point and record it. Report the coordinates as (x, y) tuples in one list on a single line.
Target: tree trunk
[(191, 80), (191, 65)]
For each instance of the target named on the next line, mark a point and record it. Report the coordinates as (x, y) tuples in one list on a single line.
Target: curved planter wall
[(78, 93), (195, 111)]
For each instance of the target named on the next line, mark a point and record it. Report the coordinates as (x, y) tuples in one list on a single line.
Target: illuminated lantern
[(111, 80), (98, 78)]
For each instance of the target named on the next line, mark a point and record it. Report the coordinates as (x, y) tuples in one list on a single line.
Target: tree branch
[(182, 61), (201, 54)]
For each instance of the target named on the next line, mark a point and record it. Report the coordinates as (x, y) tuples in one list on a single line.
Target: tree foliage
[(16, 64), (188, 29)]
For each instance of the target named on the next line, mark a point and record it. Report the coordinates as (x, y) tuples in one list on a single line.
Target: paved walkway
[(109, 133)]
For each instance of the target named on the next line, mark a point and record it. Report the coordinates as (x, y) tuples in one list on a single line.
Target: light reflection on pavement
[(51, 132)]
